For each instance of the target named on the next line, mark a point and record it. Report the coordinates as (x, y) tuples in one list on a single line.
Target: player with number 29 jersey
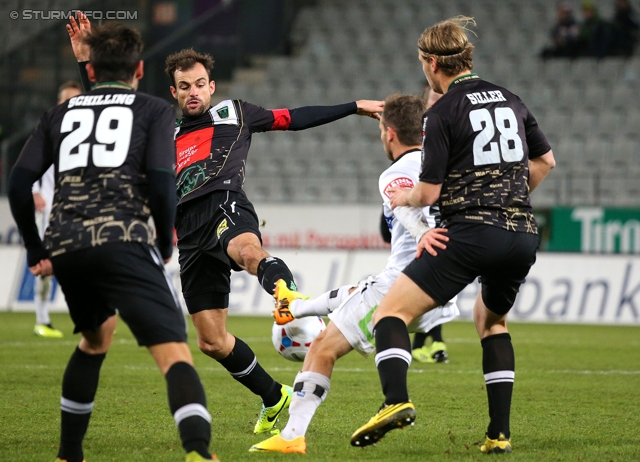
[(101, 143), (490, 186)]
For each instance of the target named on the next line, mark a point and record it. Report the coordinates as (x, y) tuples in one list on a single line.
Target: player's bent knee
[(216, 349)]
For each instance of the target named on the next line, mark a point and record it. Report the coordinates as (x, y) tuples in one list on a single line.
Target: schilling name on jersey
[(485, 97), (101, 100)]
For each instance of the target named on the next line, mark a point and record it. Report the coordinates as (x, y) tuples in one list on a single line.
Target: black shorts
[(124, 276), (205, 226), (501, 258)]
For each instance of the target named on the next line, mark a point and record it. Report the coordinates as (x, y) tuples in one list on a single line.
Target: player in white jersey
[(43, 199), (351, 308)]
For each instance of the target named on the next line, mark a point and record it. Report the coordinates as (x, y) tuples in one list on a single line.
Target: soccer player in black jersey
[(483, 153), (113, 155), (216, 224)]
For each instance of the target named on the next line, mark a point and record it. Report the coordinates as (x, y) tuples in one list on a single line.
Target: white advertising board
[(561, 288)]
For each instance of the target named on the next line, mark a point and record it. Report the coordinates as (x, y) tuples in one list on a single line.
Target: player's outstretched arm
[(370, 108)]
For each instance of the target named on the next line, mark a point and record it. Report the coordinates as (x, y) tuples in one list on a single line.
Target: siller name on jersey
[(486, 97)]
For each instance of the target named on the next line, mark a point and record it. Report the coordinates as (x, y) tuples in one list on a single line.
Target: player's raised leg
[(310, 389), (290, 305)]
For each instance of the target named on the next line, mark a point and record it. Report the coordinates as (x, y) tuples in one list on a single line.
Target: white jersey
[(353, 312), (45, 187), (403, 173)]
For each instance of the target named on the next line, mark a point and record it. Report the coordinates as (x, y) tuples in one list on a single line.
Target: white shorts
[(354, 315)]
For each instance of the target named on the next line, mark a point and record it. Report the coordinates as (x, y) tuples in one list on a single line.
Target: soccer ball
[(293, 339)]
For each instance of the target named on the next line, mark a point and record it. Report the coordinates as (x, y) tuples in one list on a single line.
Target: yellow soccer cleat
[(388, 418), (422, 355), (279, 444), (42, 330), (193, 456), (284, 296), (497, 446), (270, 415)]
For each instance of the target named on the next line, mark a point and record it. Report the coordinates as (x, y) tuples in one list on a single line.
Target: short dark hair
[(404, 114), (185, 59), (115, 51), (69, 84)]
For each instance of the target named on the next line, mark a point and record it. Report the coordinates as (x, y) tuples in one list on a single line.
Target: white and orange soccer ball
[(292, 340)]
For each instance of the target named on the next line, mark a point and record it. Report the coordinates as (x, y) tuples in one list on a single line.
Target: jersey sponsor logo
[(483, 97), (401, 182), (222, 227), (101, 100), (192, 147)]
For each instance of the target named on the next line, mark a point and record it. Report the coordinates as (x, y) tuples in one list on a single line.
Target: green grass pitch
[(576, 398)]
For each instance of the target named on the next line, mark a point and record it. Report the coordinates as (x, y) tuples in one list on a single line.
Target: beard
[(197, 111)]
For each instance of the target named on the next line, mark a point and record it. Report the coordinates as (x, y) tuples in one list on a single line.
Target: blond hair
[(448, 43)]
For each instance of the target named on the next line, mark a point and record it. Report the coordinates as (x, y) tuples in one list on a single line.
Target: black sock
[(498, 365), (194, 422), (270, 270), (79, 386), (436, 333), (243, 366), (419, 338), (393, 358)]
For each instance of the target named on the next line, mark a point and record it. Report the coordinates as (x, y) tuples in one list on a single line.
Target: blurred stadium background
[(289, 53)]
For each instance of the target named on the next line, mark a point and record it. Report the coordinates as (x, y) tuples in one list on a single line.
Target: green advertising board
[(595, 230)]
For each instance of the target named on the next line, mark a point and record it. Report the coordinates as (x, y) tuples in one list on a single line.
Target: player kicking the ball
[(351, 308)]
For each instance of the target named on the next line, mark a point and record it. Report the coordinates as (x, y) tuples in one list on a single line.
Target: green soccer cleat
[(388, 418), (193, 456), (497, 446), (278, 444), (42, 330), (284, 296), (270, 415)]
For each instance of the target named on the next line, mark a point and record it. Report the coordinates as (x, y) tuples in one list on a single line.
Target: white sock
[(319, 306), (309, 391), (41, 299)]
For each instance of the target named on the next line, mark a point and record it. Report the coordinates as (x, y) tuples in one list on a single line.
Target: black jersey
[(102, 144), (212, 149), (478, 139)]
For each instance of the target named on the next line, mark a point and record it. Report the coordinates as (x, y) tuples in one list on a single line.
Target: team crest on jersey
[(401, 182), (223, 112), (222, 227)]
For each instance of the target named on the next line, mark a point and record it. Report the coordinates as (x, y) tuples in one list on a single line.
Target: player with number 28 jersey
[(490, 186)]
